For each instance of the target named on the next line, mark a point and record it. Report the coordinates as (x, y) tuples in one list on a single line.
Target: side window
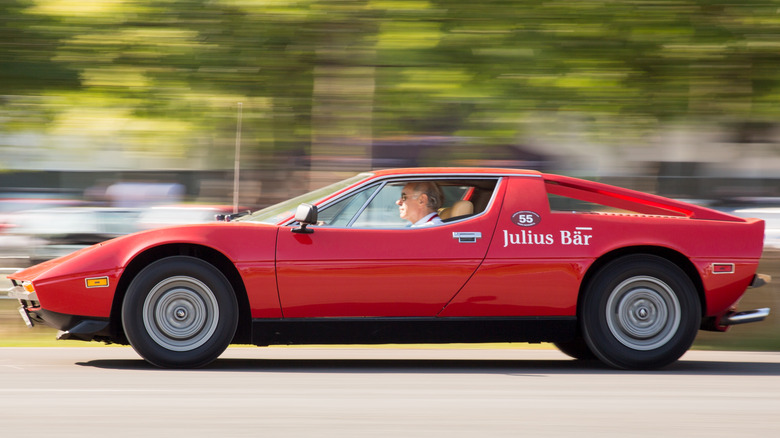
[(382, 212), (569, 198), (478, 193), (340, 213), (376, 207), (567, 204), (454, 193)]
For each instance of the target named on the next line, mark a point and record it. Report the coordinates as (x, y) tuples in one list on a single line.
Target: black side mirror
[(306, 214)]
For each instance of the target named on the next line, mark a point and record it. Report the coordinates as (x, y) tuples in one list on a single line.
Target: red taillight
[(723, 268)]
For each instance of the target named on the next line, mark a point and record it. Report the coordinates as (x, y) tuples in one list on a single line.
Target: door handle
[(467, 236)]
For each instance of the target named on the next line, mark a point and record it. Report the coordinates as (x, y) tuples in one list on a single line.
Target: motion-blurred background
[(119, 115)]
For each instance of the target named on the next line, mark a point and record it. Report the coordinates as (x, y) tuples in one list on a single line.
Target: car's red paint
[(527, 261), (61, 287), (413, 272)]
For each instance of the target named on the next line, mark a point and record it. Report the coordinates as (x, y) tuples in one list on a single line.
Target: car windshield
[(283, 210)]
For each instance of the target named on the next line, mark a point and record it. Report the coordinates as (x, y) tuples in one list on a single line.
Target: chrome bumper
[(722, 322), (745, 317), (19, 293), (25, 299)]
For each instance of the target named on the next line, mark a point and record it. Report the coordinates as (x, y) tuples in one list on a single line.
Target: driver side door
[(364, 262)]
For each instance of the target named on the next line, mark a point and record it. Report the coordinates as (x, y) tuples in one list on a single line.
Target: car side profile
[(519, 256)]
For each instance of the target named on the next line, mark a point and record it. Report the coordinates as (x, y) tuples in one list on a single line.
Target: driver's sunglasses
[(404, 197)]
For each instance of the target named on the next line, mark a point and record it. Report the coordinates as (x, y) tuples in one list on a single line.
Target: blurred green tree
[(326, 77), (27, 48)]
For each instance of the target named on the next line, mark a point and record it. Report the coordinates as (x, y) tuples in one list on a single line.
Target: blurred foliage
[(166, 75)]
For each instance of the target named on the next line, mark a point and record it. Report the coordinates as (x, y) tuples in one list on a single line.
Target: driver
[(420, 202)]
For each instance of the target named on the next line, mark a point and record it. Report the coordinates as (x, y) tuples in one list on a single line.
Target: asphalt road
[(362, 392)]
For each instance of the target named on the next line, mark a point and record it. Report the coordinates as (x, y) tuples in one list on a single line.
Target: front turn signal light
[(28, 286)]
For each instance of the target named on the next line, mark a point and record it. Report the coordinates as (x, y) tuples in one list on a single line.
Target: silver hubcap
[(181, 313), (643, 313)]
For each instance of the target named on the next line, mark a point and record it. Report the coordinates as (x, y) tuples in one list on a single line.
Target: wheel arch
[(217, 259), (673, 256)]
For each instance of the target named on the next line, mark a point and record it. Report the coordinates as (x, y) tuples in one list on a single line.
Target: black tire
[(180, 312), (576, 348), (640, 312)]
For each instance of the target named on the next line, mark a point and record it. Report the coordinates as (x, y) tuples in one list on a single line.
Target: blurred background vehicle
[(11, 203), (771, 217), (167, 215), (40, 235)]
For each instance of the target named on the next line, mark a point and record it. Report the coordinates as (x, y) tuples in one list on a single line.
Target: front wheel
[(180, 312), (640, 312)]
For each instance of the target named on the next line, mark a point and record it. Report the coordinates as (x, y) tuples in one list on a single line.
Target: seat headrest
[(462, 208), (459, 208)]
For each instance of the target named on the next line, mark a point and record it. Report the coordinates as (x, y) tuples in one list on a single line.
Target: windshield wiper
[(230, 217)]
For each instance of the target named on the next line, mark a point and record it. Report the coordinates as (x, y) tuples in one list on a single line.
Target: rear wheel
[(180, 312), (640, 312)]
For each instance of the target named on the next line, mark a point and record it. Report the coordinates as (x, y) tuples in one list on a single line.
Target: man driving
[(420, 202)]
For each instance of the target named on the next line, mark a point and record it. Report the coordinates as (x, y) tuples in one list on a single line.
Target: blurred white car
[(11, 204), (771, 217), (53, 232), (183, 214)]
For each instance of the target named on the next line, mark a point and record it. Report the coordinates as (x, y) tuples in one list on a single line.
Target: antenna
[(237, 162)]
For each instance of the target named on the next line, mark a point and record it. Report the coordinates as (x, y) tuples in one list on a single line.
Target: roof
[(454, 170)]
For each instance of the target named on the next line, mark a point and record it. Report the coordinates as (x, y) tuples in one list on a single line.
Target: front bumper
[(69, 326), (20, 293), (28, 305)]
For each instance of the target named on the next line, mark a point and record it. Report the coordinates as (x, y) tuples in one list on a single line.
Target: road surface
[(384, 392)]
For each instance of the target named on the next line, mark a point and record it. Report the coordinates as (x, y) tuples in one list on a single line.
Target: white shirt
[(431, 219)]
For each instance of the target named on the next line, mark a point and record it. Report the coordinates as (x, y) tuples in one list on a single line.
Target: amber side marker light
[(97, 282)]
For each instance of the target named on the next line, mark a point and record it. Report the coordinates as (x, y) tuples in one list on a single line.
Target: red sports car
[(503, 256)]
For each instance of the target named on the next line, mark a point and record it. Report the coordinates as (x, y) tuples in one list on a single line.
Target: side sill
[(303, 331)]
